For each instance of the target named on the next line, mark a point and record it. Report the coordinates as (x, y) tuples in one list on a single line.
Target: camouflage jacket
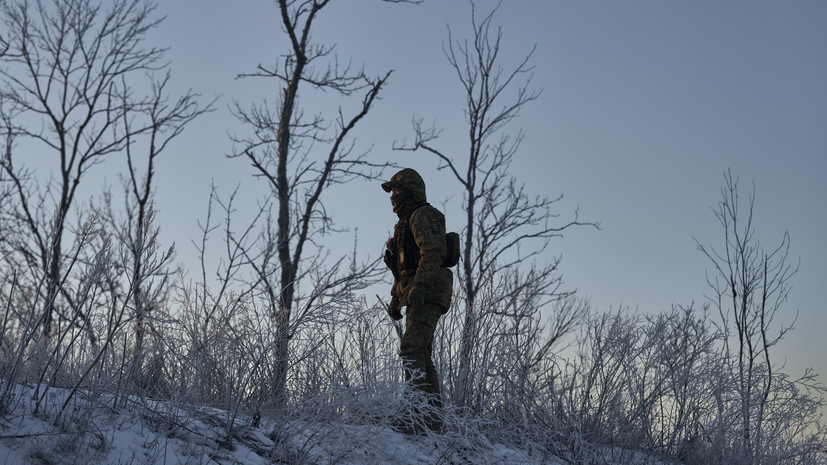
[(419, 265)]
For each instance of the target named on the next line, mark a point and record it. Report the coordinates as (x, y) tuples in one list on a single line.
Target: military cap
[(406, 179)]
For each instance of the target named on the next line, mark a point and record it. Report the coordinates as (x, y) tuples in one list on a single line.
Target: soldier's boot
[(433, 415)]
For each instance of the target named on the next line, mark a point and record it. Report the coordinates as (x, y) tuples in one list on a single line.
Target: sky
[(643, 107)]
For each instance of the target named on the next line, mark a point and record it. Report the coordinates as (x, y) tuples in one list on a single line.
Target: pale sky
[(644, 105)]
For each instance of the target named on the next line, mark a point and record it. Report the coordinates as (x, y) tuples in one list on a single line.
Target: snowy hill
[(90, 432), (154, 433)]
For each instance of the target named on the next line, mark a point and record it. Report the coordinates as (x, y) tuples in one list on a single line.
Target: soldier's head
[(406, 188)]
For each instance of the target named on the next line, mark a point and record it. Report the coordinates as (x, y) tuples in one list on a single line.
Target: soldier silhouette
[(417, 255)]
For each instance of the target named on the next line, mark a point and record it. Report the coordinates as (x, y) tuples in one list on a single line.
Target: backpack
[(452, 250)]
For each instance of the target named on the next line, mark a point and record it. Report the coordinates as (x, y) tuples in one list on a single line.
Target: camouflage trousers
[(416, 351), (417, 347)]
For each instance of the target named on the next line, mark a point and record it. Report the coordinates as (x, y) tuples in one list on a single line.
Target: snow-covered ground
[(92, 432)]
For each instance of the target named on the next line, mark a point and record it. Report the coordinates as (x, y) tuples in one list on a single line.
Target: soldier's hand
[(393, 309), (416, 298), (390, 260)]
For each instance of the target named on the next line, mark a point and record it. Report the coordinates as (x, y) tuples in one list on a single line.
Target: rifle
[(396, 324)]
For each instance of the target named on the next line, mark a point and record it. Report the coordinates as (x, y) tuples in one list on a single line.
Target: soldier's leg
[(417, 346), (416, 351)]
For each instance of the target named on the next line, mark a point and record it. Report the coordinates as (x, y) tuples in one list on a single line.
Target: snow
[(90, 431)]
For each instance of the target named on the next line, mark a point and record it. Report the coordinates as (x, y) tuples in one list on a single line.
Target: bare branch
[(300, 157), (504, 227), (66, 86), (749, 288)]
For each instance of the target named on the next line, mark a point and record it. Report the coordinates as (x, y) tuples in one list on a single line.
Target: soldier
[(416, 255)]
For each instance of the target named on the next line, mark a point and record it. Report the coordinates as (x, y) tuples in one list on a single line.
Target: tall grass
[(575, 384)]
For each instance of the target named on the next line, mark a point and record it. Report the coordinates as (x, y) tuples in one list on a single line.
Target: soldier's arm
[(428, 228), (390, 258)]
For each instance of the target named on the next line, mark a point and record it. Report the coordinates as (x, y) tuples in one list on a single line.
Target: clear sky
[(644, 105)]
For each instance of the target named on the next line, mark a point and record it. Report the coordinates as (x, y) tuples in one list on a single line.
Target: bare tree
[(66, 85), (301, 158), (134, 225), (504, 227), (749, 288)]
